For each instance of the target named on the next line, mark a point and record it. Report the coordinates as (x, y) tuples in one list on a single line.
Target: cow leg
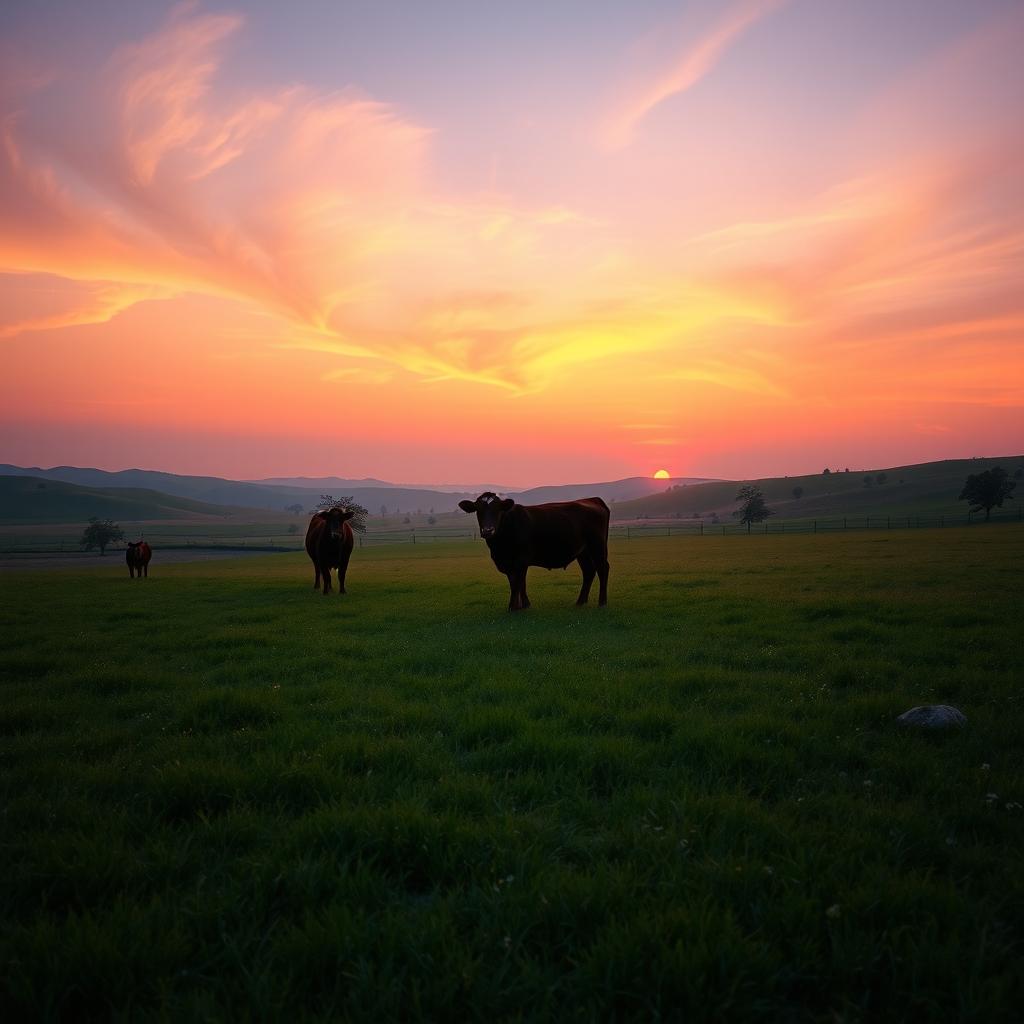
[(517, 589), (601, 558), (326, 573), (342, 570), (586, 563), (513, 589), (316, 580), (524, 601), (145, 569)]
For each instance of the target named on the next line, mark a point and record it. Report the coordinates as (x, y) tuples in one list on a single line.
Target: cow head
[(335, 518), (489, 509)]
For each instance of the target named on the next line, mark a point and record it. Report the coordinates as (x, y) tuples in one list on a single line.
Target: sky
[(527, 243)]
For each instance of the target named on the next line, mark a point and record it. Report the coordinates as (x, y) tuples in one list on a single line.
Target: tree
[(431, 520), (357, 522), (292, 528), (296, 508), (881, 478), (798, 492), (868, 481), (826, 471), (99, 533), (987, 490), (752, 508), (383, 511)]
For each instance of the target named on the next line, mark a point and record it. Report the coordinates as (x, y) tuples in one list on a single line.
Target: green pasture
[(224, 796)]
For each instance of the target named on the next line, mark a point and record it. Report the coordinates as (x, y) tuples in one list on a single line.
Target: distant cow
[(137, 556), (329, 542), (550, 536)]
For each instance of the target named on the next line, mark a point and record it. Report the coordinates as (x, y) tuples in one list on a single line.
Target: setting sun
[(662, 474)]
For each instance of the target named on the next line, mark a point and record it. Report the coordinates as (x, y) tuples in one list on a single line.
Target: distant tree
[(752, 507), (431, 511), (383, 510), (826, 471), (798, 492), (292, 528), (987, 490), (881, 478), (431, 520), (868, 481), (847, 470), (99, 533), (296, 508), (406, 520)]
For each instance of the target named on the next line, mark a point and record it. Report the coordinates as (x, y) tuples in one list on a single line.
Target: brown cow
[(550, 536), (329, 542), (137, 556)]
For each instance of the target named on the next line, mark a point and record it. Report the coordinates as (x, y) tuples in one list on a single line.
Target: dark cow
[(137, 556), (329, 542), (550, 536)]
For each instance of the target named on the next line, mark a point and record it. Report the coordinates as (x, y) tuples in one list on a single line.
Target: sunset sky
[(512, 242)]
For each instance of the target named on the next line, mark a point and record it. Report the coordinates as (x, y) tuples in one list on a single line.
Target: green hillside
[(929, 488), (29, 499)]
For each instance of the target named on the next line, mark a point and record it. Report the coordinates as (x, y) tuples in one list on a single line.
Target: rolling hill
[(306, 491), (29, 499), (930, 487)]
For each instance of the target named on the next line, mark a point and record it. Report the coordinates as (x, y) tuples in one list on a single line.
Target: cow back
[(551, 535)]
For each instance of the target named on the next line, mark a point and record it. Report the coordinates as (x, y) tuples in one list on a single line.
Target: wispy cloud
[(695, 61)]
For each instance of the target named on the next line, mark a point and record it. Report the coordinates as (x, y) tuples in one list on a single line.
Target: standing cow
[(329, 542), (550, 536), (137, 556)]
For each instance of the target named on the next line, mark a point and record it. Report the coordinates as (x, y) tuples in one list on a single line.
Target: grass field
[(225, 796)]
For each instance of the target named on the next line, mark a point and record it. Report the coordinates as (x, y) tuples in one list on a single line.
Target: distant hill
[(217, 490), (610, 490), (306, 491), (342, 485), (929, 487), (29, 499)]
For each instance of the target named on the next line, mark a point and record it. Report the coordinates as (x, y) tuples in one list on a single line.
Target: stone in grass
[(933, 716)]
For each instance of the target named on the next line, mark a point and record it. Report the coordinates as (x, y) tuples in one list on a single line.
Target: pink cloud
[(689, 67)]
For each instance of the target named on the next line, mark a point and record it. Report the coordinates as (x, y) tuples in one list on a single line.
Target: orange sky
[(723, 238)]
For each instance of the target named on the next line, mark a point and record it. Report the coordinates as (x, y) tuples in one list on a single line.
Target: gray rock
[(933, 716)]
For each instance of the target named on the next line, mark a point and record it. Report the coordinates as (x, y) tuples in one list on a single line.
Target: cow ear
[(507, 504), (467, 506)]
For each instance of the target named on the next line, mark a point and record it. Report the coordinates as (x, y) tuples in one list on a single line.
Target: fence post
[(723, 531), (844, 522), (815, 530), (627, 533), (702, 527), (888, 523)]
